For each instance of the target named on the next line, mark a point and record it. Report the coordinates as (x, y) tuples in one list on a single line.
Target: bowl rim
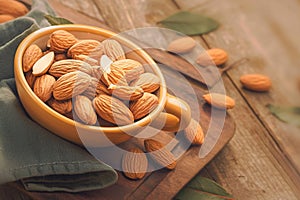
[(31, 38)]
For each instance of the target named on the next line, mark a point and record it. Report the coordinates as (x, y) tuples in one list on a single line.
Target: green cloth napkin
[(28, 152)]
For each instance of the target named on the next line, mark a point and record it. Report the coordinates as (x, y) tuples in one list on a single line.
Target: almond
[(144, 105), (43, 87), (194, 133), (133, 69), (149, 82), (114, 76), (212, 57), (63, 107), (31, 55), (87, 59), (91, 48), (5, 18), (84, 110), (134, 164), (182, 45), (61, 40), (12, 7), (219, 100), (96, 87), (256, 82), (160, 154), (112, 110), (97, 72), (126, 92), (113, 49), (30, 78), (41, 66), (63, 67), (70, 85)]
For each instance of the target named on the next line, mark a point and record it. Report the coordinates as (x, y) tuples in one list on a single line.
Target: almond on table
[(256, 82), (194, 133), (182, 45), (220, 101), (213, 56), (134, 164), (160, 154)]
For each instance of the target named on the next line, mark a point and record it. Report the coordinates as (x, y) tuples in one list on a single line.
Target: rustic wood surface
[(262, 160)]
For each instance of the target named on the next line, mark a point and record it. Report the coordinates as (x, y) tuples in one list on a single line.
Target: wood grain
[(267, 149), (268, 45), (259, 162)]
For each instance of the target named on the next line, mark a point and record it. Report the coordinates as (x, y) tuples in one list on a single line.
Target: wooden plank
[(124, 186), (266, 162), (268, 44), (73, 15), (260, 180), (134, 19)]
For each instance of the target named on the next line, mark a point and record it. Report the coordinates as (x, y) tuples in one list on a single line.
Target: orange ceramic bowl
[(178, 115)]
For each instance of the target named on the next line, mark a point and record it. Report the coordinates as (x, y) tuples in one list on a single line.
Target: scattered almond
[(160, 154), (219, 100), (214, 56), (194, 133), (134, 164), (41, 66), (182, 45), (43, 87), (256, 82)]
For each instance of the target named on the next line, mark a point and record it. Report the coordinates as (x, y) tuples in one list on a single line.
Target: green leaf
[(57, 20), (190, 23), (201, 188), (289, 115)]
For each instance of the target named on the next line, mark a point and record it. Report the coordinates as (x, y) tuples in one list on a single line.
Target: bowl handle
[(177, 115)]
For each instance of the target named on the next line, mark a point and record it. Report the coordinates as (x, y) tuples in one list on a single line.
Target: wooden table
[(262, 160)]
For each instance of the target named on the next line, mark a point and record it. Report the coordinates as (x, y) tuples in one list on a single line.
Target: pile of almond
[(89, 80), (11, 9)]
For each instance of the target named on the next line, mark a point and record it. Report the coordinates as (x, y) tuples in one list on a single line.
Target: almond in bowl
[(93, 82)]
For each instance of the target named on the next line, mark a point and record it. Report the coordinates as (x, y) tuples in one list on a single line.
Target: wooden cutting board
[(161, 184)]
